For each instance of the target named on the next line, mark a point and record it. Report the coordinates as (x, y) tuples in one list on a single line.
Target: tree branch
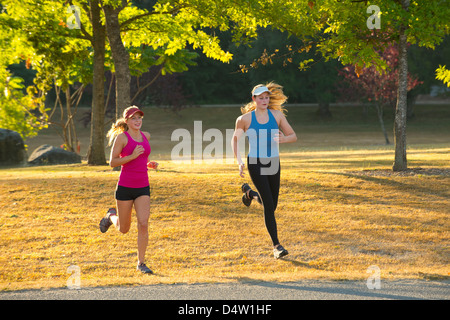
[(148, 84), (87, 36), (143, 15)]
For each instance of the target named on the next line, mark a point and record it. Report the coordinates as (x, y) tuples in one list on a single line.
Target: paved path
[(300, 290)]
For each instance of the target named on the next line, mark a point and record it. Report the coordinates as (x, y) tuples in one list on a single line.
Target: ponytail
[(117, 128)]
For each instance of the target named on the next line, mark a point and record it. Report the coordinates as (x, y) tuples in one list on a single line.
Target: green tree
[(156, 36), (21, 108), (338, 29), (173, 25), (57, 41), (443, 74), (24, 113), (355, 31)]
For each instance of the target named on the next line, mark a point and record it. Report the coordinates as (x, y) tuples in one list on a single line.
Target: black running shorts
[(125, 194)]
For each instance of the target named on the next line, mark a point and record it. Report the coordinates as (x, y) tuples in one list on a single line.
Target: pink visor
[(131, 111)]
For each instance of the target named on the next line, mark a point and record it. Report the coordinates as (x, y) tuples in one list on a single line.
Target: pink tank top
[(134, 173)]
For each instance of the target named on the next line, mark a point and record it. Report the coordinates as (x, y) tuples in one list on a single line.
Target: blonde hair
[(119, 127), (277, 99)]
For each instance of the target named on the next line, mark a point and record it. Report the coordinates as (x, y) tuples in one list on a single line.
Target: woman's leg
[(142, 207), (262, 184), (274, 183), (122, 220)]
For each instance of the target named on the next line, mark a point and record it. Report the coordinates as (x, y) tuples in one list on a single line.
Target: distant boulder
[(46, 154), (12, 148)]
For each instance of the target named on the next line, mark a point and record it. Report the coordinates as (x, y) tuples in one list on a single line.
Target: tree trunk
[(379, 107), (400, 162), (96, 152), (121, 58), (68, 126)]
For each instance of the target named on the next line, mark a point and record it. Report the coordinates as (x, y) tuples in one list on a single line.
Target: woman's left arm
[(286, 134), (150, 164), (147, 135)]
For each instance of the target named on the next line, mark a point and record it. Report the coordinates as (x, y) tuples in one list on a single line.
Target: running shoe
[(106, 222), (279, 252), (248, 200), (143, 268)]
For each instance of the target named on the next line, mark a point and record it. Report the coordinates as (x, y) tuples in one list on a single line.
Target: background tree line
[(71, 44), (213, 82)]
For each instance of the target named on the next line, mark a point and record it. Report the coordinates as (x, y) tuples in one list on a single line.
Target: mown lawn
[(341, 209), (339, 213)]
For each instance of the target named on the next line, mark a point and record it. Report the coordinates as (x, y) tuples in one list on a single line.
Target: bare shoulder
[(146, 134), (122, 138), (120, 142), (244, 120), (279, 115)]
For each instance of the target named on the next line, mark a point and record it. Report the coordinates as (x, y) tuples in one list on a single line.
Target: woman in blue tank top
[(265, 125)]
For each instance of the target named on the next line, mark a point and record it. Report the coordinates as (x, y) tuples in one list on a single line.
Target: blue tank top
[(261, 138)]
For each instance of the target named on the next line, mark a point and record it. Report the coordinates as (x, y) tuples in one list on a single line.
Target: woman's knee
[(124, 229), (142, 206), (142, 224), (124, 215)]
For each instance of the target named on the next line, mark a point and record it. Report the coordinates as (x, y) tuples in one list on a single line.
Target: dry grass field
[(341, 210)]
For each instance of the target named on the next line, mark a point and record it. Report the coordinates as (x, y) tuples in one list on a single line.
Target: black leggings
[(265, 176)]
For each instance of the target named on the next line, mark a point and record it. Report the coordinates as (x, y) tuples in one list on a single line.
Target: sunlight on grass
[(339, 213)]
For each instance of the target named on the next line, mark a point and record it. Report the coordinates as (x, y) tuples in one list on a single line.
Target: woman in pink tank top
[(131, 150)]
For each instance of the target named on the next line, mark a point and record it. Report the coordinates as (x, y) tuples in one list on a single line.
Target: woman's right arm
[(238, 133)]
